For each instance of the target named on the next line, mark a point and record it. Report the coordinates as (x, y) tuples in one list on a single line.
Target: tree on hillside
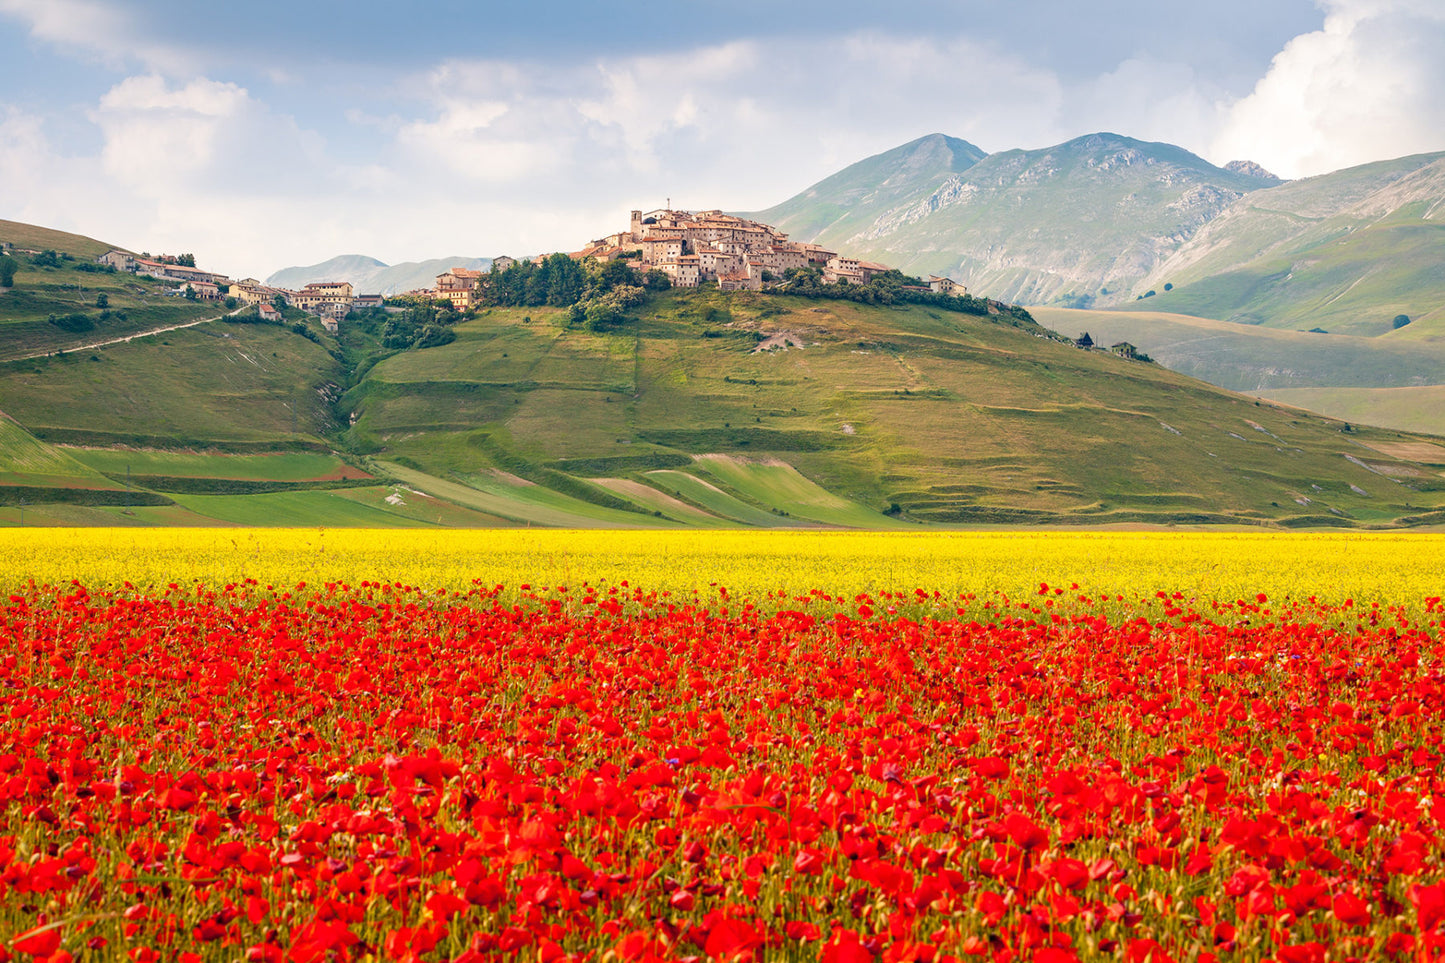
[(186, 260), (7, 271)]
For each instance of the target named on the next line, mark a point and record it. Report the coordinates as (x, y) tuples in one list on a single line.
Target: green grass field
[(34, 238), (309, 509), (1419, 409), (706, 410), (1334, 374), (281, 466), (957, 419), (24, 458), (717, 502), (214, 384), (133, 305)]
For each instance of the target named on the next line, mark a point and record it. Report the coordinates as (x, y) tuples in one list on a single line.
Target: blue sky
[(271, 133)]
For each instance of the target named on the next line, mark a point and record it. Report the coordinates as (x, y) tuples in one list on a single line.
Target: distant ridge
[(1096, 213), (370, 276)]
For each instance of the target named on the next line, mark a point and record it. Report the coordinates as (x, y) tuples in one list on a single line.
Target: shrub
[(74, 323)]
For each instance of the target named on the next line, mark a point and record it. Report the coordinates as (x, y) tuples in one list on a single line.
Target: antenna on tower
[(669, 203)]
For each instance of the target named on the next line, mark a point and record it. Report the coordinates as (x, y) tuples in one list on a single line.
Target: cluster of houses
[(694, 248), (691, 248), (697, 248), (329, 300)]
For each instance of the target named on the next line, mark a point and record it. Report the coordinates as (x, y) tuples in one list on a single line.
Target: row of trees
[(599, 292), (561, 282), (888, 287)]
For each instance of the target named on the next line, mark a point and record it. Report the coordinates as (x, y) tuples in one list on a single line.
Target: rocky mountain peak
[(1249, 168)]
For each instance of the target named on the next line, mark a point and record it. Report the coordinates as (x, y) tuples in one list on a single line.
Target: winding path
[(129, 337)]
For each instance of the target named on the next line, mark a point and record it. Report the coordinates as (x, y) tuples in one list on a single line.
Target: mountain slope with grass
[(60, 299), (1073, 223), (1360, 251)]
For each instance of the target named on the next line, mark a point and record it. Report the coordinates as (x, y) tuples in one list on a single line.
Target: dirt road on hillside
[(130, 337)]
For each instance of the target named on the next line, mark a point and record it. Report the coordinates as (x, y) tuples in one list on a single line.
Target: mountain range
[(1104, 220), (370, 276)]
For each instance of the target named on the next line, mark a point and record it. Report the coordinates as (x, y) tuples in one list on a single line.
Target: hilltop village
[(707, 247), (690, 249)]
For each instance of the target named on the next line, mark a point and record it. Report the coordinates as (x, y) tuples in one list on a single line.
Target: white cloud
[(484, 156), (1149, 100), (100, 31), (1366, 86), (158, 136)]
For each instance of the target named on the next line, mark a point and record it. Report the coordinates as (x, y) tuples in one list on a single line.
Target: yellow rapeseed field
[(1395, 568)]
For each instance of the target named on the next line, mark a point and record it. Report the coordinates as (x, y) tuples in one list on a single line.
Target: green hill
[(62, 300), (700, 409), (29, 237), (1390, 382), (1347, 252), (951, 417)]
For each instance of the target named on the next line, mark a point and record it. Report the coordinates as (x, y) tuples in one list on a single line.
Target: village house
[(166, 269), (502, 263), (325, 298), (841, 269), (363, 301), (748, 278), (459, 286), (685, 270), (202, 290), (947, 286), (268, 312), (251, 291), (120, 260)]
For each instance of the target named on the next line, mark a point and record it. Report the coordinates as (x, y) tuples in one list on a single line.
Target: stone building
[(326, 298)]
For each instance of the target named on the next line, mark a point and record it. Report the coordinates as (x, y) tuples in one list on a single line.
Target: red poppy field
[(380, 773)]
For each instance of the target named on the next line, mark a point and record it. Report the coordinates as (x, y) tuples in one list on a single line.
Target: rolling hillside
[(699, 409), (1387, 382), (1347, 252), (952, 418), (63, 300), (29, 237)]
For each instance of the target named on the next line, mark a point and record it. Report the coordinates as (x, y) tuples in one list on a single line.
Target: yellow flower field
[(1396, 568)]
